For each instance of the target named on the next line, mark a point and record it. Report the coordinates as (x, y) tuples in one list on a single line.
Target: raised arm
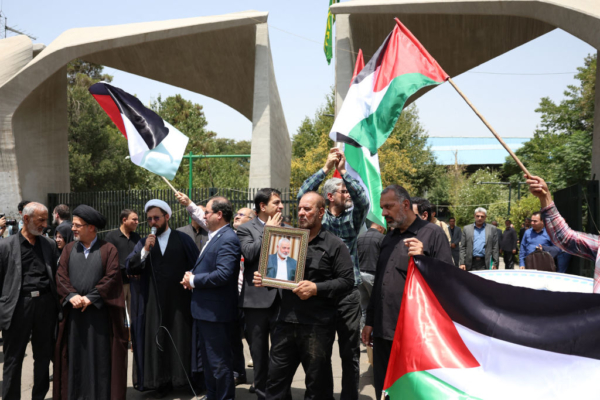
[(313, 182), (195, 211)]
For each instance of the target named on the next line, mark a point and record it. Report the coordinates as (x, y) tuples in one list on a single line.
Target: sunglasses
[(155, 218)]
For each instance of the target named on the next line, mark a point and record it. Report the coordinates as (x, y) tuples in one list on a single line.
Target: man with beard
[(90, 358), (411, 236), (61, 216), (281, 265), (160, 308), (29, 307), (347, 210), (305, 328)]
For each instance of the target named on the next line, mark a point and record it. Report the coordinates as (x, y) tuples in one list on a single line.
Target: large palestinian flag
[(373, 104), (153, 143), (460, 336)]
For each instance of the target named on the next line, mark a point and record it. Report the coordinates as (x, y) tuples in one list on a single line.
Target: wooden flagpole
[(169, 183), (513, 155)]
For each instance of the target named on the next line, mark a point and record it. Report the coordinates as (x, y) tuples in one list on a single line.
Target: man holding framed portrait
[(304, 331)]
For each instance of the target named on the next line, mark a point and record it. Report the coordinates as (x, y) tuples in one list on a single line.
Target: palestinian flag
[(460, 336), (154, 144), (377, 95), (363, 166)]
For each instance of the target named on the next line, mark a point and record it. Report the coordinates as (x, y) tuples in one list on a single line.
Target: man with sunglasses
[(160, 260), (347, 208)]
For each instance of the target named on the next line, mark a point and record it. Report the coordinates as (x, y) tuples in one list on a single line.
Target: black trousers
[(348, 332), (382, 349), (509, 259), (259, 324), (478, 263), (214, 343), (33, 317), (311, 345), (237, 346)]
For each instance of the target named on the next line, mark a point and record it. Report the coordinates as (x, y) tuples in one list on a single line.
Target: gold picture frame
[(294, 245)]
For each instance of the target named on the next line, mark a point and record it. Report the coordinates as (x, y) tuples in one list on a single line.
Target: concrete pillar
[(596, 139), (271, 152), (345, 58)]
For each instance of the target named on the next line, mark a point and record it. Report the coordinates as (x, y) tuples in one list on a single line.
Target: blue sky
[(303, 76)]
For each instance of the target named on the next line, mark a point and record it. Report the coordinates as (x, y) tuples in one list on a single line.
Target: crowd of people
[(192, 294)]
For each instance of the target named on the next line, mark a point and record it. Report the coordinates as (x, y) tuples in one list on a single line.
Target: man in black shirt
[(368, 244), (29, 305), (410, 236), (305, 328), (526, 225), (508, 245), (124, 239)]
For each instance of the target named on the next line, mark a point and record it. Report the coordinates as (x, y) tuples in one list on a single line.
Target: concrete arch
[(462, 34), (225, 57)]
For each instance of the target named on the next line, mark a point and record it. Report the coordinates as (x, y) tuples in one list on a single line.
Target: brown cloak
[(110, 288)]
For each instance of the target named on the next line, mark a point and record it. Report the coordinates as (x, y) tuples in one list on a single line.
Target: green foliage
[(561, 148), (98, 151), (523, 209), (467, 194), (404, 159)]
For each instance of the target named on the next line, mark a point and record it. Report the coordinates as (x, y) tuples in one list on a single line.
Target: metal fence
[(110, 204)]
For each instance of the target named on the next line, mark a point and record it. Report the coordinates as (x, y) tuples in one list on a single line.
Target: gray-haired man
[(347, 210), (479, 244)]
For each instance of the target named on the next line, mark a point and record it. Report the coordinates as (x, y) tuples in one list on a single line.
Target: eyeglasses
[(343, 191), (208, 212), (155, 218), (240, 215), (78, 226)]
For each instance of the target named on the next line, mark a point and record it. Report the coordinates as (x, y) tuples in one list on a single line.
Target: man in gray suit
[(479, 244), (281, 265), (455, 237)]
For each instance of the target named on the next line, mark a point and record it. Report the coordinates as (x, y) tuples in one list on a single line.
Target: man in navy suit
[(214, 298), (281, 265)]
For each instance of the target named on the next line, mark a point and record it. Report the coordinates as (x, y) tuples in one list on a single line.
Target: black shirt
[(33, 267), (124, 247), (200, 236), (329, 265), (392, 268), (508, 241), (368, 244)]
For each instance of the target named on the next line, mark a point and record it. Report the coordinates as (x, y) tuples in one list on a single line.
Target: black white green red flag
[(153, 143), (460, 336)]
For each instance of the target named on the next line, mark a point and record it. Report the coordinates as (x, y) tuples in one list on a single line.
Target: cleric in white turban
[(160, 261)]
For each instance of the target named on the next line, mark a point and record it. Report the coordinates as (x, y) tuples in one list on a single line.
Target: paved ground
[(366, 380)]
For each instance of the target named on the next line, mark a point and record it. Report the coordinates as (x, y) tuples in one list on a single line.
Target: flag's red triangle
[(360, 64), (337, 174), (109, 106), (425, 337)]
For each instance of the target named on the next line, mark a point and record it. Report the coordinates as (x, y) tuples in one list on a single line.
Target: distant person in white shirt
[(281, 265)]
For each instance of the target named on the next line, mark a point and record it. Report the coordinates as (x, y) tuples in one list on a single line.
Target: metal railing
[(111, 203)]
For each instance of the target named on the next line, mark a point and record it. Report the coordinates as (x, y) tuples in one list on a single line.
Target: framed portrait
[(283, 256)]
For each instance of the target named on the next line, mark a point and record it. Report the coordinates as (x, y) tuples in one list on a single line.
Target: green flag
[(328, 45)]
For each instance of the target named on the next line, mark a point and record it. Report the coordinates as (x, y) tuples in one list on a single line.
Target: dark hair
[(22, 205), (422, 206), (451, 218), (126, 213), (508, 220), (222, 204), (538, 213), (263, 196), (400, 192), (63, 211)]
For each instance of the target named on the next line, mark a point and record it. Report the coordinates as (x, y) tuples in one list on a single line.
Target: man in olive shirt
[(305, 325), (410, 236)]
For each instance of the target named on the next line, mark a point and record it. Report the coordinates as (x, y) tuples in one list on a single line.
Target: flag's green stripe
[(371, 178), (373, 131), (422, 385)]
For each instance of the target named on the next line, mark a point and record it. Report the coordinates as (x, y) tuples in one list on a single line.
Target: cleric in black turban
[(89, 215)]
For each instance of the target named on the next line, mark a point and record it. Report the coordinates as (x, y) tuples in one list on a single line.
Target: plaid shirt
[(577, 243), (348, 224)]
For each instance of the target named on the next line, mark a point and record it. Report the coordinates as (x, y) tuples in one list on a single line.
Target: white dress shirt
[(281, 269), (163, 240), (210, 236)]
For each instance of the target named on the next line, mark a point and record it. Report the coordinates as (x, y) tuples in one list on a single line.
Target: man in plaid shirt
[(348, 206), (576, 243)]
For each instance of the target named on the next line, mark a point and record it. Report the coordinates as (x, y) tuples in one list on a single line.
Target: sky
[(296, 31)]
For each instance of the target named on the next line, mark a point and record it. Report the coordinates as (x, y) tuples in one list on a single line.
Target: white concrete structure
[(462, 34), (226, 57)]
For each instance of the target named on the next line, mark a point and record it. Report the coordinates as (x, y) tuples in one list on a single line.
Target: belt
[(35, 293), (477, 258)]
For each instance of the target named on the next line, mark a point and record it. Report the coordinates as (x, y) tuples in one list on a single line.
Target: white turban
[(160, 204)]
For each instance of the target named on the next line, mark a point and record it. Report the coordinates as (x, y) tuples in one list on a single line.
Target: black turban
[(89, 215)]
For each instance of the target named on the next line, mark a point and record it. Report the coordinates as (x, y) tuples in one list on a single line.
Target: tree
[(561, 148), (404, 158)]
